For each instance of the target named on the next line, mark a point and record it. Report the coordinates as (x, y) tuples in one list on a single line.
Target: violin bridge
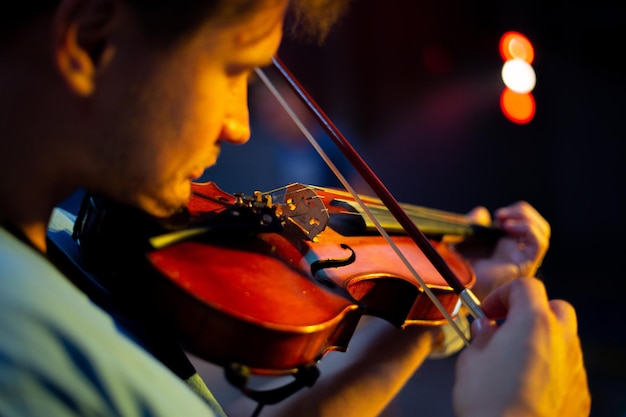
[(304, 208)]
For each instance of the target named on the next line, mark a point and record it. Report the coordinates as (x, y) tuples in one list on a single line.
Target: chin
[(164, 206)]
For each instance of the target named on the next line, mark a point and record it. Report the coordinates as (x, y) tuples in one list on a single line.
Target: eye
[(238, 70), (252, 78)]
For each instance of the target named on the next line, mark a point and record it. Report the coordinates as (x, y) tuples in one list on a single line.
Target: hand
[(517, 254), (531, 365)]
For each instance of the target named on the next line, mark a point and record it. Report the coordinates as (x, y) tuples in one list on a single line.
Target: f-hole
[(317, 266)]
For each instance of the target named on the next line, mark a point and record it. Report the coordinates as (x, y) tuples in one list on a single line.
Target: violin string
[(382, 213), (437, 222), (418, 211), (268, 83)]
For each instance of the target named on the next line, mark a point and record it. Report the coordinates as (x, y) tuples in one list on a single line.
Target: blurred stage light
[(517, 102), (517, 107), (519, 76), (514, 45)]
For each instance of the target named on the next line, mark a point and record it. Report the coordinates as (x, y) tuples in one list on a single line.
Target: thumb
[(482, 331)]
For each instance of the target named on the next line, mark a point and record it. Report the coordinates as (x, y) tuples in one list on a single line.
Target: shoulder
[(61, 349)]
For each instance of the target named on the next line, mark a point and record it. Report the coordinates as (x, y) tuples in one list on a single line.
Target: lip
[(198, 171)]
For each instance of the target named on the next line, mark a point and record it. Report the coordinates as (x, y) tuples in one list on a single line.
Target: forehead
[(258, 33)]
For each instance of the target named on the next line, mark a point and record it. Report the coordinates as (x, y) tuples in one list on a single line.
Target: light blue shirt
[(61, 355)]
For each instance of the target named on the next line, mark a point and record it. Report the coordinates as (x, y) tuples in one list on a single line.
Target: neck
[(36, 235), (27, 201), (31, 234), (32, 163)]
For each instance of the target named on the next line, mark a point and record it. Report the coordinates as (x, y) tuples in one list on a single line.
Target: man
[(132, 99)]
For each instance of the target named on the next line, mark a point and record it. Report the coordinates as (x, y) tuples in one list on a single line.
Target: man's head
[(138, 95)]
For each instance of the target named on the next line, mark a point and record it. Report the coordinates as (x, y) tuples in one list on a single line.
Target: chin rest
[(64, 252)]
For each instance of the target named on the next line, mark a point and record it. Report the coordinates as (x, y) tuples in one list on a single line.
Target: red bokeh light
[(519, 108), (515, 45)]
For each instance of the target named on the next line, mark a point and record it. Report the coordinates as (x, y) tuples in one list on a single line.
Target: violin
[(271, 285)]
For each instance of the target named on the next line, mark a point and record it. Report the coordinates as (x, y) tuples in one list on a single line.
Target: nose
[(235, 130), (236, 125)]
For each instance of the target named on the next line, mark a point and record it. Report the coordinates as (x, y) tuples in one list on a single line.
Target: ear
[(83, 41)]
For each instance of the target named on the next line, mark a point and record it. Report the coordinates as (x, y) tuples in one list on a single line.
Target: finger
[(527, 234), (523, 210), (531, 242), (566, 314), (482, 330), (524, 227), (480, 215), (515, 297)]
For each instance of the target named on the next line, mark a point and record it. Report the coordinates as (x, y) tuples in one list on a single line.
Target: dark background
[(415, 85)]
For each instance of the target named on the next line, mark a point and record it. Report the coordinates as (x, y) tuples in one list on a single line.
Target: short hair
[(169, 20)]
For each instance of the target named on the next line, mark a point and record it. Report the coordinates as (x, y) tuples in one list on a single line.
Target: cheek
[(175, 120), (203, 121)]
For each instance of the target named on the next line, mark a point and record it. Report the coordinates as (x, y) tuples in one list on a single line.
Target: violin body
[(248, 306), (267, 297)]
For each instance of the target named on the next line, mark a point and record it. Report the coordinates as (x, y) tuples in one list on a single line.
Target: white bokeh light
[(519, 76)]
